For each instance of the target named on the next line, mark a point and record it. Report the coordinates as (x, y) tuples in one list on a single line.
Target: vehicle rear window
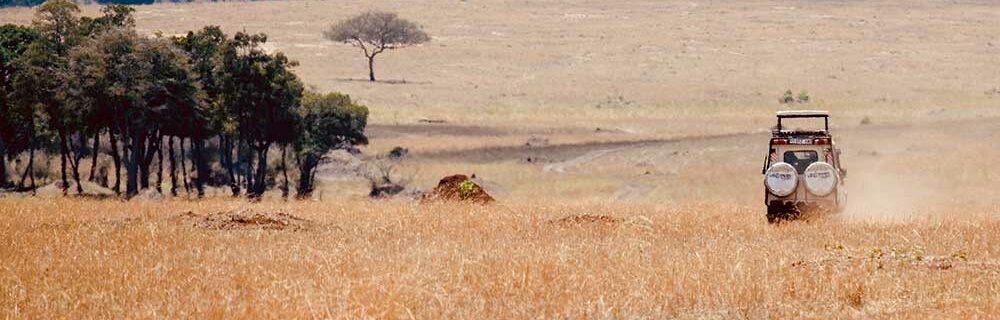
[(801, 159)]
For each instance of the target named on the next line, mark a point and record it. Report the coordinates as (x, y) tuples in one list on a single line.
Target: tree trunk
[(245, 162), (173, 166), (24, 176), (126, 155), (284, 172), (31, 170), (305, 189), (237, 164), (132, 170), (140, 155), (117, 161), (4, 182), (233, 183), (143, 172), (260, 184), (62, 162), (159, 170), (371, 68), (146, 159), (200, 167), (184, 169), (95, 152), (75, 162), (249, 173), (225, 152)]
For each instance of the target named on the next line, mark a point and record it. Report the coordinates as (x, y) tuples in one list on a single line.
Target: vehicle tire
[(793, 212), (783, 212), (776, 213)]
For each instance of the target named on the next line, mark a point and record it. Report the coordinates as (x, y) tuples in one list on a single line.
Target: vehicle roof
[(803, 113), (795, 132)]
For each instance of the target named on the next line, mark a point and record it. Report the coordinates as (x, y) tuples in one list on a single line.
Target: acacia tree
[(376, 31), (327, 122)]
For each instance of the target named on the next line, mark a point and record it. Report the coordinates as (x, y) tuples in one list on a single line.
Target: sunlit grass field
[(643, 199), (109, 259)]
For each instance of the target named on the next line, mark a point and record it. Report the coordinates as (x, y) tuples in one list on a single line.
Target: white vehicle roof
[(803, 113)]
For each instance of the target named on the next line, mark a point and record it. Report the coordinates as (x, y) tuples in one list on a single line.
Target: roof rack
[(804, 114)]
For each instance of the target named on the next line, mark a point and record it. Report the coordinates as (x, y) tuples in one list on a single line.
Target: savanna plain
[(623, 142)]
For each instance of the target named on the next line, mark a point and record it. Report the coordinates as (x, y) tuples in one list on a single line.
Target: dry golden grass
[(698, 82), (398, 260)]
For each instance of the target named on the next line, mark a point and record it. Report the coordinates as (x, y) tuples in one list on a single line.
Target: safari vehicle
[(802, 171)]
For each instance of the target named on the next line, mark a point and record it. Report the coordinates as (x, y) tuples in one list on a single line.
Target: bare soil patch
[(248, 219), (431, 129), (941, 263), (559, 152), (588, 219)]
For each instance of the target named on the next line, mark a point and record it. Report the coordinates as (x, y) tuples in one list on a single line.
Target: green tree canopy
[(203, 49), (14, 125), (261, 93), (146, 87), (328, 121)]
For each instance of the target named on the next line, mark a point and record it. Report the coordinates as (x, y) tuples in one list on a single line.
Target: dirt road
[(891, 167)]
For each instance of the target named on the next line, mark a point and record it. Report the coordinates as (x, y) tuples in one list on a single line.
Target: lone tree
[(375, 32)]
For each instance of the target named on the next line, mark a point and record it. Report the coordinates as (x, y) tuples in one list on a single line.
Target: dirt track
[(571, 152), (901, 166)]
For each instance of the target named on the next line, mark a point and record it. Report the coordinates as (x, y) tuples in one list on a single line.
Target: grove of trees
[(93, 89)]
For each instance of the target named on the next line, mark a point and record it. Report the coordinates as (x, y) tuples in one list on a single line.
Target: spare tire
[(821, 178), (781, 179)]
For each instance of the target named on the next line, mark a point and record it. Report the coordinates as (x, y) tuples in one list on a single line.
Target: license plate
[(800, 141)]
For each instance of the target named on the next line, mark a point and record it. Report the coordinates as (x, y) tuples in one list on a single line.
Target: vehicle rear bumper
[(811, 203), (803, 198)]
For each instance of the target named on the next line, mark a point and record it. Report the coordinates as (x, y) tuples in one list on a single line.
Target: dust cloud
[(921, 172)]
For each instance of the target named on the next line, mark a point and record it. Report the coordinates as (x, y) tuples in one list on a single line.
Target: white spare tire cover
[(781, 179), (821, 178)]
